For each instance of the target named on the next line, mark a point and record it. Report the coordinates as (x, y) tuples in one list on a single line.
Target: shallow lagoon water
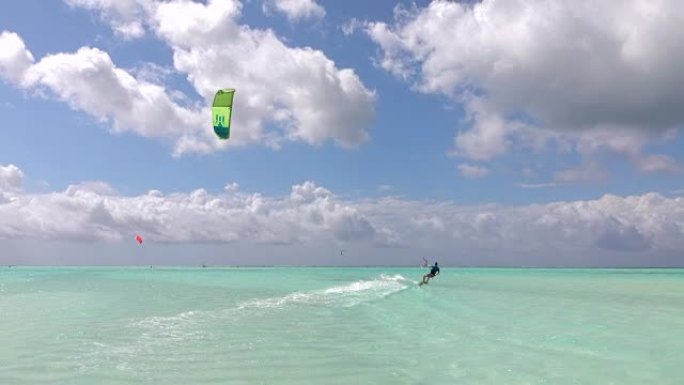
[(340, 326)]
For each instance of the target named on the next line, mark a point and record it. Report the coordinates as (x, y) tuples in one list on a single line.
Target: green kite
[(221, 111)]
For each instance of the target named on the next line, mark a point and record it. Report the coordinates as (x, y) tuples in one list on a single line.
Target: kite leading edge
[(221, 110)]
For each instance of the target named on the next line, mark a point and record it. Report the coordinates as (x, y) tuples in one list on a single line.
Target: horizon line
[(205, 266)]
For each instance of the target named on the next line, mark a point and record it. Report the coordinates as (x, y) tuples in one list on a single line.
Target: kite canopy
[(139, 239), (221, 111)]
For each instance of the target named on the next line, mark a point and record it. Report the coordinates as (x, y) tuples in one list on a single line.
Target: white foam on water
[(150, 335), (156, 334), (346, 295), (173, 329), (169, 321)]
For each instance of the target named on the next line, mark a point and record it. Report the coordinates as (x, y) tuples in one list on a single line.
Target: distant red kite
[(139, 239)]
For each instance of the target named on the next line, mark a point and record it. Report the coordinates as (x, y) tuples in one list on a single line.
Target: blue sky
[(428, 80)]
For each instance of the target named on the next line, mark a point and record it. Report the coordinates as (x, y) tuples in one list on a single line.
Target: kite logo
[(220, 119), (220, 127)]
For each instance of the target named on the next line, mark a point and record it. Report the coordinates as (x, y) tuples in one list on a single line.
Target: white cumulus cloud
[(15, 59), (562, 69), (125, 16), (11, 178), (299, 90), (89, 81), (296, 10), (283, 93)]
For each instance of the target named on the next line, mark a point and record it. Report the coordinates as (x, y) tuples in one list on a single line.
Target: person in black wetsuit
[(434, 271)]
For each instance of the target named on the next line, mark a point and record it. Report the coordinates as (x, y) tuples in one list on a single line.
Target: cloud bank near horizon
[(645, 225)]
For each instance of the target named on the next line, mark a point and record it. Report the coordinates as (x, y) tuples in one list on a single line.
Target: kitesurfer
[(434, 271)]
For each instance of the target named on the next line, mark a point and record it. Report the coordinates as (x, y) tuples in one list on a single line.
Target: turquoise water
[(340, 326)]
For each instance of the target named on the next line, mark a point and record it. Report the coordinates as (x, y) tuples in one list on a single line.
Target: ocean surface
[(340, 326)]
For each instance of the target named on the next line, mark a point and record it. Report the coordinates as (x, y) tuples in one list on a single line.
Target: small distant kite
[(221, 111), (139, 239)]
